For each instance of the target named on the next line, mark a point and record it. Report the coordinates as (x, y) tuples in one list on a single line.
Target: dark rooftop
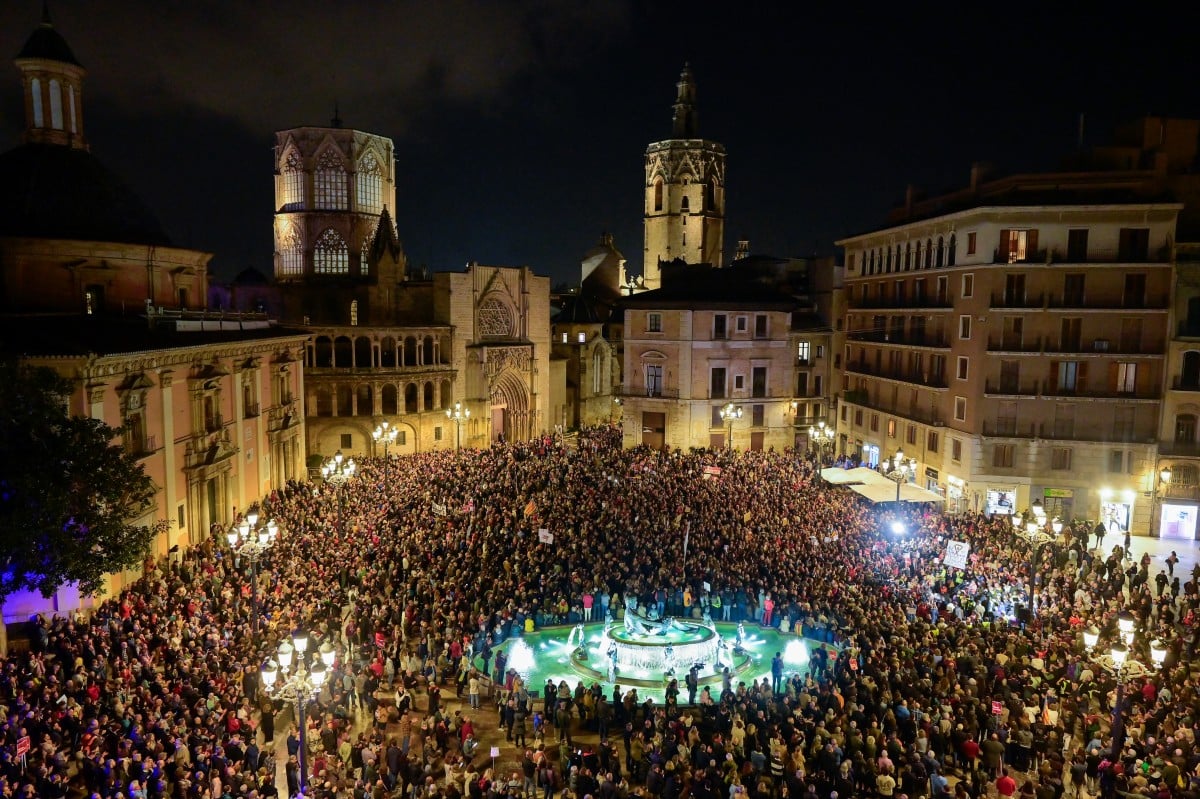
[(46, 42)]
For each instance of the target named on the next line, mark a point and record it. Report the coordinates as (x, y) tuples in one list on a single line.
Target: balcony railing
[(648, 393), (1052, 389), (1155, 301), (140, 448), (901, 304), (1188, 329), (902, 375), (1179, 449), (1030, 344), (903, 340), (214, 424), (1012, 299), (1112, 255), (1009, 428), (251, 410), (1030, 257), (1011, 389), (1103, 346)]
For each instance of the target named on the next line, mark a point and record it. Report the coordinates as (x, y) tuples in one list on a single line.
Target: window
[(1185, 428), (1068, 377), (962, 367), (369, 183), (1017, 246), (932, 442), (717, 421), (347, 440), (891, 428), (56, 114), (35, 89), (180, 516), (402, 437), (756, 415), (912, 435), (291, 252), (760, 325), (329, 183), (1006, 419), (1073, 283), (719, 322), (739, 382), (716, 386), (1133, 243), (964, 327), (654, 380), (1123, 418), (1060, 459), (330, 256), (858, 417), (1116, 461), (582, 338), (653, 323), (960, 409), (758, 381), (817, 385), (93, 300), (874, 423), (741, 324), (437, 433), (1135, 291), (658, 194), (820, 352), (564, 338), (1071, 333), (354, 313), (1002, 456), (1126, 378), (971, 243), (597, 371), (292, 196), (845, 412), (956, 449), (1077, 245), (802, 350)]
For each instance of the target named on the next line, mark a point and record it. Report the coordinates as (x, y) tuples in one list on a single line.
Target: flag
[(531, 508), (747, 517)]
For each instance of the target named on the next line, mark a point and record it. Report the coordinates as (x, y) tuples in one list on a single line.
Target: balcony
[(1188, 329), (1082, 431), (141, 447), (1011, 389), (251, 410), (926, 303), (1100, 346), (930, 340), (1052, 389), (1018, 344), (1009, 428), (648, 393), (1151, 302), (1179, 449), (1007, 299), (1030, 257), (861, 398), (213, 424), (1112, 255), (901, 375), (1185, 384)]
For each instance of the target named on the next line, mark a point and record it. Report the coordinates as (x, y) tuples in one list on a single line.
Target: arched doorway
[(510, 408)]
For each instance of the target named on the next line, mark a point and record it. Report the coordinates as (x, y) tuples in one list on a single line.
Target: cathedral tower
[(685, 192), (52, 79)]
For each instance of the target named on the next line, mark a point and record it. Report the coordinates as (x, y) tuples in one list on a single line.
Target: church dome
[(53, 192), (47, 43)]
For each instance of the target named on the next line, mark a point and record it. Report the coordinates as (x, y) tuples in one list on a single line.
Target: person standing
[(776, 673)]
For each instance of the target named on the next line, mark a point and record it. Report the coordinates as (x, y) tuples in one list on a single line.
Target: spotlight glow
[(795, 653), (898, 528), (521, 658)]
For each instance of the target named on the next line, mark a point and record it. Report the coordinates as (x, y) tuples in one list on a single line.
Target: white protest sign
[(956, 554), (545, 536)]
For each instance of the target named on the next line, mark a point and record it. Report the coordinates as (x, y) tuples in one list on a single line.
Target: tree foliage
[(68, 494)]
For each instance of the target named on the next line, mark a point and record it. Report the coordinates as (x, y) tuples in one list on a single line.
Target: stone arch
[(365, 400), (410, 351), (427, 351), (444, 350), (345, 400), (446, 394), (427, 396), (323, 352), (362, 352), (510, 407), (388, 398), (387, 352), (324, 401), (343, 352), (410, 398)]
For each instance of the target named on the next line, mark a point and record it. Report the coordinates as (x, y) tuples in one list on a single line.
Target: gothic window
[(291, 252), (683, 206), (364, 259), (35, 89), (292, 198), (495, 319), (133, 416), (370, 185), (330, 256), (597, 371), (658, 194), (329, 184)]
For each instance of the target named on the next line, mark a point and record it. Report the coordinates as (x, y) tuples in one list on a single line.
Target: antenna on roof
[(336, 122)]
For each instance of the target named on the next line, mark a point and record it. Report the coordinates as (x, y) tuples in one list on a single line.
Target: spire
[(685, 123), (385, 242), (336, 122), (46, 21)]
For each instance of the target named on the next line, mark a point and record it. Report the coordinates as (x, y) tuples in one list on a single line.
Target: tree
[(68, 494)]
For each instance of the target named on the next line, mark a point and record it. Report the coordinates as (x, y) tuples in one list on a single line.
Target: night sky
[(520, 125)]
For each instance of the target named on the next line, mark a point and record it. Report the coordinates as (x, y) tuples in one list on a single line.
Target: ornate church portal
[(508, 372)]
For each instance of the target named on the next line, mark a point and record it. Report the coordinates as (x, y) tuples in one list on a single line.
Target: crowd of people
[(418, 573)]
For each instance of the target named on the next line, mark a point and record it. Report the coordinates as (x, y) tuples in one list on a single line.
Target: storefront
[(1000, 500), (1177, 521), (870, 455), (956, 495), (1059, 503), (1116, 510)]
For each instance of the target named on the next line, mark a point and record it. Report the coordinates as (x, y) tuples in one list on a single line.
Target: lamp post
[(821, 435), (617, 403), (290, 678), (898, 468), (1117, 661), (385, 434), (728, 414), (458, 414), (250, 540), (1031, 527), (337, 471)]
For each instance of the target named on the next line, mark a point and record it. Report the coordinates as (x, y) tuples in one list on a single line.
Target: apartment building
[(1013, 341)]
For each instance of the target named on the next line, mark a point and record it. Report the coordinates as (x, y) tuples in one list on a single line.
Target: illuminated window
[(35, 89), (354, 313), (658, 195), (370, 185), (330, 256), (329, 183), (291, 252), (56, 114), (292, 198)]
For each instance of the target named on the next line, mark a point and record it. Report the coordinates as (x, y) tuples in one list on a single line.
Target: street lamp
[(385, 434), (458, 414), (290, 678), (1117, 661), (728, 414), (337, 471), (898, 468), (821, 435), (1034, 533), (617, 403), (250, 540)]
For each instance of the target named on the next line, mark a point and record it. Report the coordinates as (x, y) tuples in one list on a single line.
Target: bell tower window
[(330, 256), (658, 194), (35, 92), (329, 187), (292, 197), (56, 114), (369, 184)]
